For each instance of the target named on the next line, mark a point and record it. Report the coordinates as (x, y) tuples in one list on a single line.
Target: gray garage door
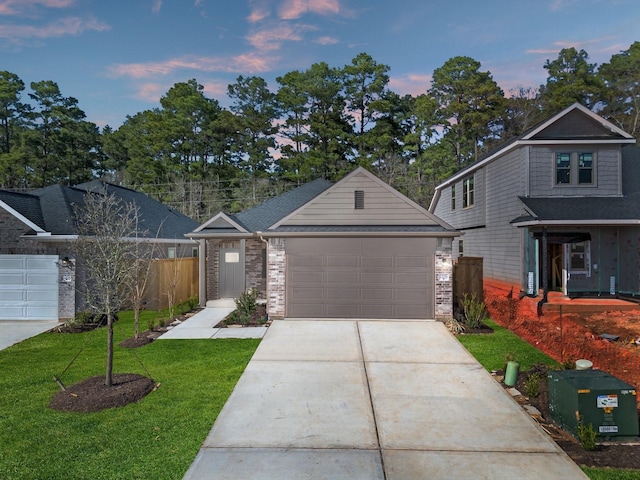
[(28, 287), (360, 278)]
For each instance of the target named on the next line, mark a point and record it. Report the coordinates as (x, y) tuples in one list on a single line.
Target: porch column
[(545, 273), (202, 272)]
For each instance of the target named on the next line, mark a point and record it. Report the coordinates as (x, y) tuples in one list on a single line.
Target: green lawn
[(490, 350), (156, 438)]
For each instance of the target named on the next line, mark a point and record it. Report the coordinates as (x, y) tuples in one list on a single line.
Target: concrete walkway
[(12, 332), (372, 400), (202, 324)]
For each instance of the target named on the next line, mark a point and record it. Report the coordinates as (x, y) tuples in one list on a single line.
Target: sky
[(119, 57)]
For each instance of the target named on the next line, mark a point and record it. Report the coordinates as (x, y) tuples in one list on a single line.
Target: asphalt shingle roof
[(262, 216), (52, 209)]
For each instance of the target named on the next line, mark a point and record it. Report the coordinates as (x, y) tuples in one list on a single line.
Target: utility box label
[(608, 429), (607, 401)]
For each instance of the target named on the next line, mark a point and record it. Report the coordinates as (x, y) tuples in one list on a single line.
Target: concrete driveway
[(12, 332), (348, 399)]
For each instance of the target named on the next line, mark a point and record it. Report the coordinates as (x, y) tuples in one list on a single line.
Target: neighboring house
[(354, 249), (557, 208), (40, 278)]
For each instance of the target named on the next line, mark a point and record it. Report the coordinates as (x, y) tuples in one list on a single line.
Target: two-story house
[(556, 208)]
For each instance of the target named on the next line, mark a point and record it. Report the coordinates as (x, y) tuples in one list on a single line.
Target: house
[(39, 276), (557, 208), (353, 249)]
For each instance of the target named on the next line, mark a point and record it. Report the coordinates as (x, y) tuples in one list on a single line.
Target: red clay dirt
[(567, 337)]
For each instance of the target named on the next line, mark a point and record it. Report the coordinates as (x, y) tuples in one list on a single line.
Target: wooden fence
[(171, 279), (467, 278)]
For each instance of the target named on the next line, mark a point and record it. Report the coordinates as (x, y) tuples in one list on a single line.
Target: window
[(574, 168), (468, 196), (359, 199), (460, 248), (563, 168), (585, 168), (171, 252), (194, 252), (579, 258), (453, 197)]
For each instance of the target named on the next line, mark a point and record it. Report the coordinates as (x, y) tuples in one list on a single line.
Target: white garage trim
[(28, 287)]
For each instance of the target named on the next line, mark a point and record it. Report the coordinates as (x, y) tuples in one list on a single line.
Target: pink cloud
[(292, 9), (253, 62), (157, 5), (410, 84), (259, 11), (214, 89), (14, 7), (62, 27), (151, 92), (272, 39), (327, 40)]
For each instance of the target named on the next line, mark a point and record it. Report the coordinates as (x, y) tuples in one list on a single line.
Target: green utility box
[(600, 399)]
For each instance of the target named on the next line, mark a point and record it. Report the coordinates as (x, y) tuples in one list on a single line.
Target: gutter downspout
[(266, 243), (202, 265)]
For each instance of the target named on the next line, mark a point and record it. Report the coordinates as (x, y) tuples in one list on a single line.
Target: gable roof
[(312, 209), (49, 211), (575, 124)]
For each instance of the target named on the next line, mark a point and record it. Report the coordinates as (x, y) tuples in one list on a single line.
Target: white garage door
[(28, 287)]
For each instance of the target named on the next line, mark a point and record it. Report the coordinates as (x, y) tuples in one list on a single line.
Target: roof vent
[(359, 199)]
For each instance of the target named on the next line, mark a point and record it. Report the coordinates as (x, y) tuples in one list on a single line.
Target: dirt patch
[(92, 395)]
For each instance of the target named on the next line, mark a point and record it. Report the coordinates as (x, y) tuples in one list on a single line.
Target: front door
[(231, 273)]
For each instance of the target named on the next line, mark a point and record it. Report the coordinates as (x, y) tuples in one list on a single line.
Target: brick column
[(444, 280), (276, 278)]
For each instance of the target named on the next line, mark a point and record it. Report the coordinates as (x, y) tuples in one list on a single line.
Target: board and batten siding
[(487, 230), (381, 207), (607, 181)]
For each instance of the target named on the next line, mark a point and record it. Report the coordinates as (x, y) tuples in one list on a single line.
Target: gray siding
[(607, 181), (486, 226), (382, 206)]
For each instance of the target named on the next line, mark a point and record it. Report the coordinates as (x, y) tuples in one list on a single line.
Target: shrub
[(586, 435), (247, 309), (81, 319), (532, 384), (474, 311), (454, 326)]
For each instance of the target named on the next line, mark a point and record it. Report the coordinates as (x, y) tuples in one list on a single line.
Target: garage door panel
[(41, 296), (377, 262), (307, 261), (342, 311), (349, 278), (377, 311), (11, 279), (11, 296), (41, 279), (377, 294), (344, 261), (303, 293), (303, 277), (337, 294), (7, 262), (360, 277)]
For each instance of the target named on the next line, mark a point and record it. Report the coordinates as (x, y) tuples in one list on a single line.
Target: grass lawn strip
[(157, 437)]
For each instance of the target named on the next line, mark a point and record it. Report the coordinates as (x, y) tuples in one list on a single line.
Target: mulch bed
[(92, 395)]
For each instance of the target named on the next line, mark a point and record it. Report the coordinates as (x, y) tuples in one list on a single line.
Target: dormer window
[(575, 168), (359, 199)]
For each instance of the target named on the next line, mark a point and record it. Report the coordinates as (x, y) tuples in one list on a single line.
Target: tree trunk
[(109, 376)]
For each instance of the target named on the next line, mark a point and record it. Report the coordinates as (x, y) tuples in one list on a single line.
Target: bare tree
[(106, 228)]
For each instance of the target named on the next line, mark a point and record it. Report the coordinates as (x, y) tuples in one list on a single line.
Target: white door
[(28, 287)]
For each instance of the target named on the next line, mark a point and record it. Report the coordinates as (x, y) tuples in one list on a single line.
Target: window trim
[(453, 197), (468, 194)]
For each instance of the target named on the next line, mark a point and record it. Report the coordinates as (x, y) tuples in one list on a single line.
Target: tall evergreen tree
[(621, 97)]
